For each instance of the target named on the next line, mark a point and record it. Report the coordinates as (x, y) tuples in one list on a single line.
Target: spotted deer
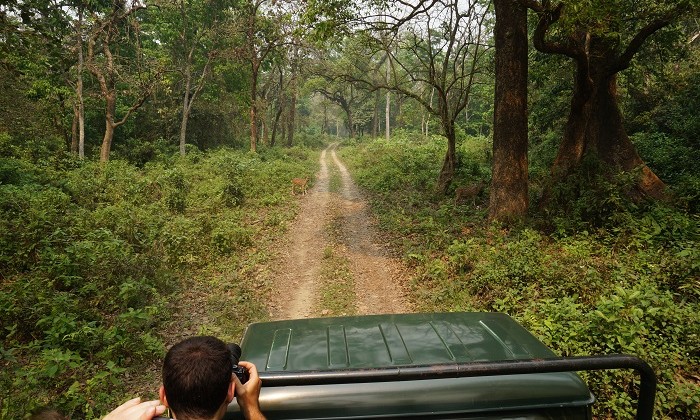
[(299, 184), (469, 192)]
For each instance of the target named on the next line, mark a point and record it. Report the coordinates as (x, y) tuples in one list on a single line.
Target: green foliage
[(635, 319), (90, 255), (590, 196), (615, 277), (674, 161)]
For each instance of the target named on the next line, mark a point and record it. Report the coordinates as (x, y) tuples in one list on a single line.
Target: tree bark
[(74, 131), (375, 115), (254, 111), (185, 105), (292, 118), (595, 126), (255, 61), (449, 164), (351, 122), (80, 110), (275, 124), (189, 94), (509, 184), (111, 106), (183, 131), (325, 129), (107, 75)]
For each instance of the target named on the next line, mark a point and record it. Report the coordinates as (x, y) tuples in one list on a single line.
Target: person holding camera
[(198, 383)]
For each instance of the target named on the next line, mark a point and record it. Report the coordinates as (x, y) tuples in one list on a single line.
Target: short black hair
[(196, 376)]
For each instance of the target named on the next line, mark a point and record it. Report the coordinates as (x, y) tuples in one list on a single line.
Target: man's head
[(197, 377)]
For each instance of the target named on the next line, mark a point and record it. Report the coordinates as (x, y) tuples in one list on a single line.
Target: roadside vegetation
[(96, 259), (597, 274)]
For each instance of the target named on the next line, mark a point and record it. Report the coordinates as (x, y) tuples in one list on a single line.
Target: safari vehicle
[(428, 366)]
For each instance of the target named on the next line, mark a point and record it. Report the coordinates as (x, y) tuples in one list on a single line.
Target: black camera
[(239, 371)]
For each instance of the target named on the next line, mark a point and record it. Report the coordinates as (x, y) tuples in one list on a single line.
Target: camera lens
[(239, 371)]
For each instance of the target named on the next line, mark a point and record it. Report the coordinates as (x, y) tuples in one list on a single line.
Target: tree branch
[(635, 45), (547, 18)]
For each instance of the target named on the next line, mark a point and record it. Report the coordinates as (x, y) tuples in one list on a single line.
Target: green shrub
[(181, 238), (91, 253), (640, 320), (229, 236)]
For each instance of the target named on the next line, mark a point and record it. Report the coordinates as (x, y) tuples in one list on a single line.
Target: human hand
[(248, 394), (134, 409)]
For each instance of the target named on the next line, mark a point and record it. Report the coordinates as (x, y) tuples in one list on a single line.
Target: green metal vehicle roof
[(405, 340)]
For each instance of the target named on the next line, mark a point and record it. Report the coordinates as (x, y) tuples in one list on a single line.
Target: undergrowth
[(94, 257), (600, 274)]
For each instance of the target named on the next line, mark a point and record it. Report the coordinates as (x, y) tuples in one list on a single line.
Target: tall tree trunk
[(595, 122), (292, 118), (74, 131), (253, 128), (375, 115), (254, 109), (185, 109), (78, 126), (351, 125), (449, 164), (387, 115), (509, 183), (183, 133), (387, 110), (350, 120), (79, 88), (275, 124), (107, 76), (427, 119), (111, 106)]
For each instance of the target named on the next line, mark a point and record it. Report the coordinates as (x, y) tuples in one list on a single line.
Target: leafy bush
[(675, 162), (91, 253)]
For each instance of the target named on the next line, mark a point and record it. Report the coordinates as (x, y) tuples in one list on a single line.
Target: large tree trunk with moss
[(509, 189), (595, 127)]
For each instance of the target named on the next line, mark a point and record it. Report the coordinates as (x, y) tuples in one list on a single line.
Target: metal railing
[(647, 387)]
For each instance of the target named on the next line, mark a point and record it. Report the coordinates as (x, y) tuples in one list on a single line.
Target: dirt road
[(334, 221)]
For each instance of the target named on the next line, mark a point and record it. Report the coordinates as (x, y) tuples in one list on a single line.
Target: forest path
[(334, 220)]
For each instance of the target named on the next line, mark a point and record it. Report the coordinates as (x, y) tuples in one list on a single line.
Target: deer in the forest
[(300, 184), (469, 192)]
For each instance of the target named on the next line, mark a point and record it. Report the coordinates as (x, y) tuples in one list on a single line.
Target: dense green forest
[(527, 156)]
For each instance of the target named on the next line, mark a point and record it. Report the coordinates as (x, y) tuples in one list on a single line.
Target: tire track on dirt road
[(298, 272), (379, 280)]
